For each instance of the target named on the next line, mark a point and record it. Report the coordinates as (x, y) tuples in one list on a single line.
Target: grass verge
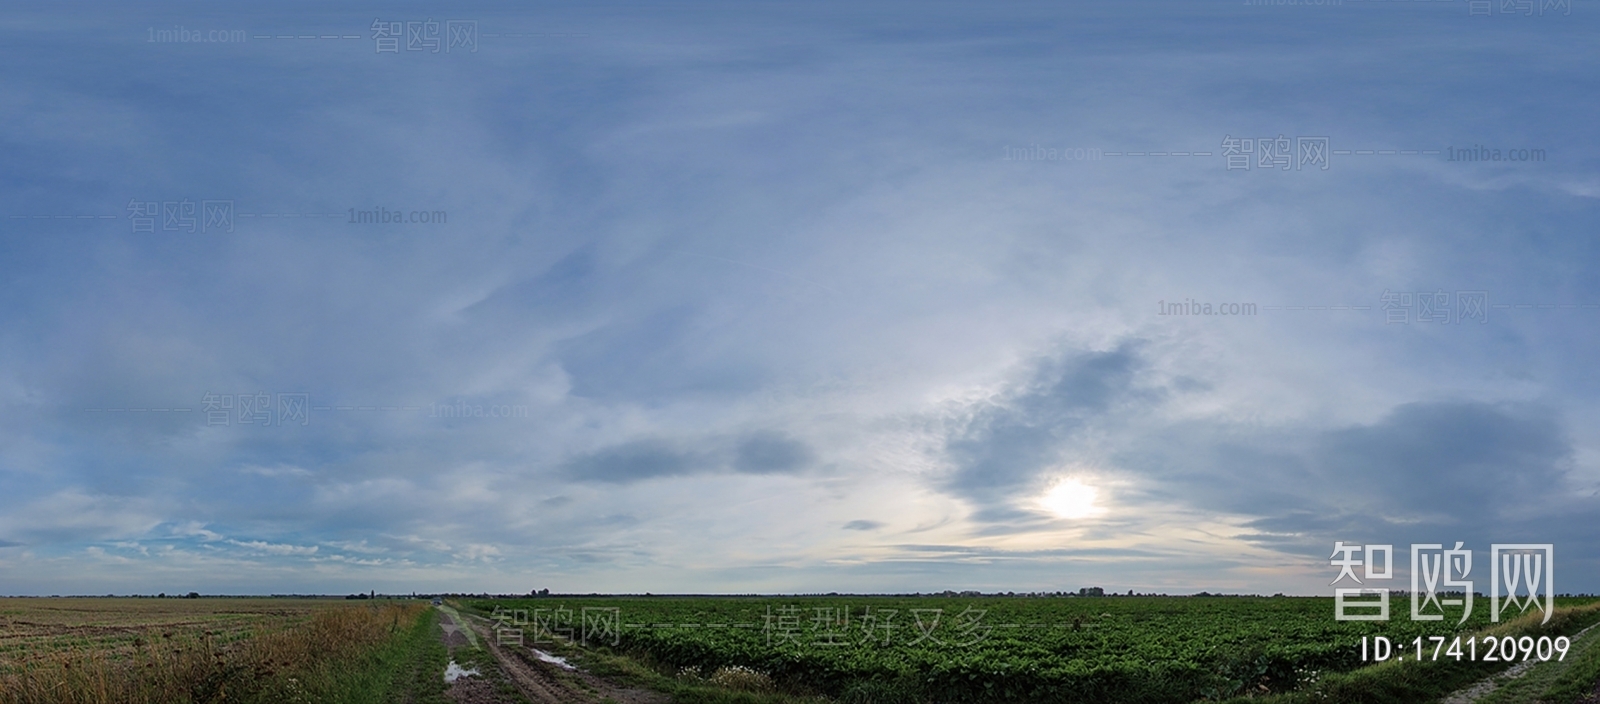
[(1411, 682), (408, 668), (724, 686), (1555, 682)]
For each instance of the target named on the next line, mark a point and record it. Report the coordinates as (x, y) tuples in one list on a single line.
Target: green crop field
[(1007, 649)]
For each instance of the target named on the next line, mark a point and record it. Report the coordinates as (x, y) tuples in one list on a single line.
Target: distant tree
[(193, 595)]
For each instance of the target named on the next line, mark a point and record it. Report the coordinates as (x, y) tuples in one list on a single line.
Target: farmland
[(1003, 649), (153, 651), (758, 650), (35, 628)]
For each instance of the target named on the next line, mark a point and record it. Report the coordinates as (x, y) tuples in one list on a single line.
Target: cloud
[(1452, 461), (275, 548), (756, 452), (864, 524), (480, 553), (356, 546), (278, 471), (768, 452), (134, 546), (1423, 472), (195, 529), (629, 462), (74, 515), (364, 562), (1008, 442)]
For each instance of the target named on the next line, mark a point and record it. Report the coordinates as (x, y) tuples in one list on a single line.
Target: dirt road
[(540, 681)]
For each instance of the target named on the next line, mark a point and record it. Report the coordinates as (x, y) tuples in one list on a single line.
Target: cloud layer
[(739, 298)]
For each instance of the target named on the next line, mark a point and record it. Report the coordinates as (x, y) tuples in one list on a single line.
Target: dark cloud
[(1425, 472), (1006, 446), (629, 462), (759, 452), (863, 524), (768, 452), (1469, 460), (995, 552)]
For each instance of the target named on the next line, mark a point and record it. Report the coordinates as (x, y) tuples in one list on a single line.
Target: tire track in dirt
[(546, 683), (474, 687)]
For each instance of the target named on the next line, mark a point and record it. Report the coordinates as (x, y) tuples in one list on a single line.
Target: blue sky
[(792, 297)]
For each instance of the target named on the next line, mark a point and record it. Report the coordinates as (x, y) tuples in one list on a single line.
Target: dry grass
[(741, 678), (270, 656), (736, 677), (33, 628)]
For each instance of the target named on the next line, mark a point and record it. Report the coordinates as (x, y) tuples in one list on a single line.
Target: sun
[(1070, 498)]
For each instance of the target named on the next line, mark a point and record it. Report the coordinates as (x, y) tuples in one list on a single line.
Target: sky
[(783, 297)]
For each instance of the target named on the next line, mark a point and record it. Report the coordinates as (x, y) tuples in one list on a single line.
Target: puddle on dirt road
[(555, 659), (454, 672)]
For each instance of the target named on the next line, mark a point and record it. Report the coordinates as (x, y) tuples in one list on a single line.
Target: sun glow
[(1071, 498)]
